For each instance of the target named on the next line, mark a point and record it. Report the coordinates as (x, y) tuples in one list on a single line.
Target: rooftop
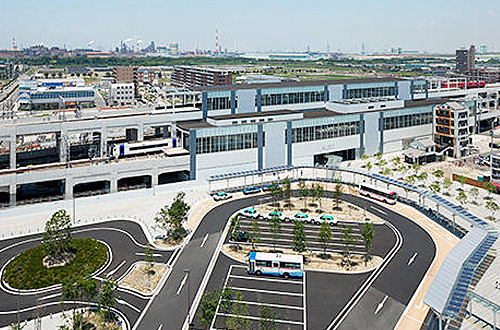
[(290, 84)]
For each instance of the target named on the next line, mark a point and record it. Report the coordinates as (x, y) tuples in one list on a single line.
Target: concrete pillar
[(12, 152), (154, 179), (157, 131), (12, 194), (63, 146), (165, 132), (113, 184), (68, 188), (140, 132), (104, 141)]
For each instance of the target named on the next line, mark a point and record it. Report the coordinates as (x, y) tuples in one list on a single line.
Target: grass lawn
[(89, 256)]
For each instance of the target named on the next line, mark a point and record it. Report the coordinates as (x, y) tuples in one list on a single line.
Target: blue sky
[(438, 25)]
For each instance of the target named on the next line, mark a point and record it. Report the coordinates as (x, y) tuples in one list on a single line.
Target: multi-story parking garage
[(225, 128)]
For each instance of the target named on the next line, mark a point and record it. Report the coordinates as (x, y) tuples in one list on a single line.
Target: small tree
[(337, 195), (462, 198), (416, 167), (299, 237), (208, 305), (239, 312), (267, 318), (254, 235), (462, 180), (490, 188), (226, 300), (304, 192), (378, 156), (276, 193), (422, 176), (287, 189), (325, 235), (57, 237), (312, 193), (438, 173), (447, 183), (396, 161), (347, 241), (369, 166), (275, 227), (171, 217), (493, 208), (435, 187), (17, 326), (149, 259), (386, 171), (474, 194), (107, 299), (320, 190), (367, 232)]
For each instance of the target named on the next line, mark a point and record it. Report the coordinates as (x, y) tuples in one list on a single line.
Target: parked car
[(250, 212), (301, 217), (274, 213), (251, 190), (326, 218), (268, 187), (241, 236), (221, 196)]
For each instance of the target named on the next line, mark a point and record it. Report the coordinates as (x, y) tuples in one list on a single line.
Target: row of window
[(362, 93), (321, 132), (42, 96), (219, 103), (210, 144), (281, 264), (293, 98), (407, 120)]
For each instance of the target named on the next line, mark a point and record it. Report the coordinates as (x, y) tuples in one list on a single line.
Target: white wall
[(303, 153), (393, 139), (225, 162), (275, 147)]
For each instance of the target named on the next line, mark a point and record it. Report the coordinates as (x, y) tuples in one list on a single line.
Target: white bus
[(276, 264), (381, 194)]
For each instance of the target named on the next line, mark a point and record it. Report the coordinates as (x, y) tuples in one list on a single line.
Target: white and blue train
[(144, 147), (275, 264)]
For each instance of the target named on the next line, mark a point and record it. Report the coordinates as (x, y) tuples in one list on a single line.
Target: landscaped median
[(27, 270)]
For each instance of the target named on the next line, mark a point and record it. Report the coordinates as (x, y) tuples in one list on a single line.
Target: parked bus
[(276, 264), (381, 194)]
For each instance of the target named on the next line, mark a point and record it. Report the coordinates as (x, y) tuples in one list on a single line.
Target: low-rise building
[(121, 94), (451, 129), (194, 76)]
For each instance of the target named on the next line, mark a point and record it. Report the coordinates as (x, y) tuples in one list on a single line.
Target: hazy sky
[(428, 25)]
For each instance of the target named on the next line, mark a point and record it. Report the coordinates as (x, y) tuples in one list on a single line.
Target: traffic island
[(144, 277), (313, 260), (28, 271)]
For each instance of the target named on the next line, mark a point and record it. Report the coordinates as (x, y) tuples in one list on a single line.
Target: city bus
[(381, 194), (275, 264)]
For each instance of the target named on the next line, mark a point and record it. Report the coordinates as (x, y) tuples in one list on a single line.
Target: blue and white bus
[(276, 264)]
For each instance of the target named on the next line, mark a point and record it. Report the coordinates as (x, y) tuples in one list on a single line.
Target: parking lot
[(286, 297), (284, 239)]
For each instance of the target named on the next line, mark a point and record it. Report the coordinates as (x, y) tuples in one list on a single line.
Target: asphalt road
[(127, 242), (341, 301)]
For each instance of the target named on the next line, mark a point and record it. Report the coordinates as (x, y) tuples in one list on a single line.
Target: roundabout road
[(127, 243), (339, 301)]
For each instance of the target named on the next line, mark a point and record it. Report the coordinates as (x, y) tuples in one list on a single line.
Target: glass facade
[(55, 95), (281, 96), (219, 100), (228, 138), (325, 128), (363, 93), (407, 117)]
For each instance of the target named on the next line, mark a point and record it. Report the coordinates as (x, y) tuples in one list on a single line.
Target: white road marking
[(126, 303), (182, 283), (270, 305), (116, 269), (257, 278), (50, 296), (412, 259), (154, 254), (204, 240), (379, 210), (381, 305), (268, 291), (160, 327), (258, 318)]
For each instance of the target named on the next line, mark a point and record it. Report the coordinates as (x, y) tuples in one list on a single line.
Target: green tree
[(474, 194), (378, 156), (171, 217), (422, 176), (386, 171), (337, 194), (312, 193), (275, 227), (82, 289), (493, 208), (462, 180), (320, 190), (149, 259), (107, 299), (276, 193), (239, 312), (396, 161), (462, 198), (435, 187), (369, 166), (226, 300), (267, 318), (347, 241), (490, 188), (416, 167), (254, 235), (438, 173), (325, 235), (367, 233), (57, 237), (287, 189), (447, 183), (208, 306), (299, 237), (304, 192), (16, 326)]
